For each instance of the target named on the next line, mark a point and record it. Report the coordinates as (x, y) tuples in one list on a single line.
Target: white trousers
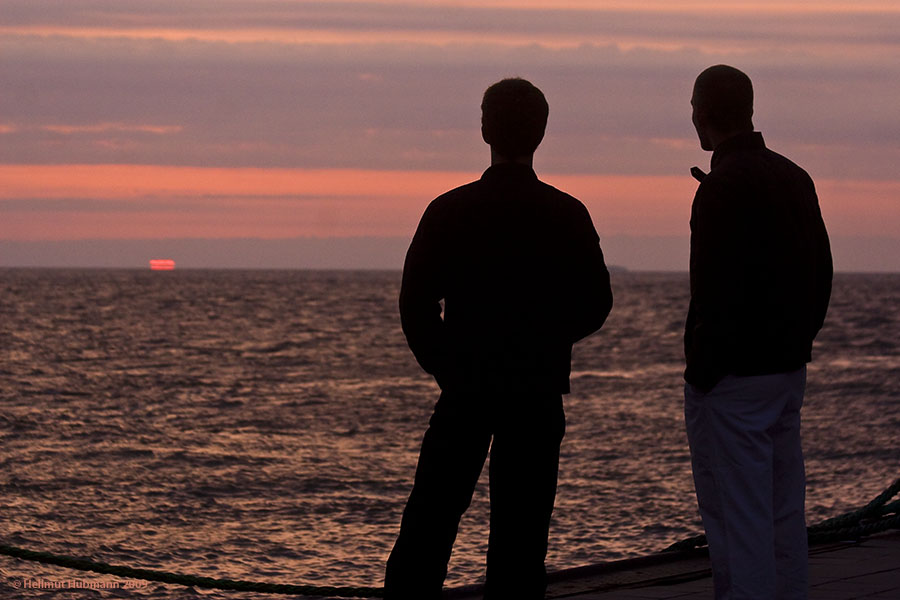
[(751, 485)]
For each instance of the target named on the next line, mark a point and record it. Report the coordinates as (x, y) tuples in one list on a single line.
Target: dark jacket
[(760, 266), (518, 266)]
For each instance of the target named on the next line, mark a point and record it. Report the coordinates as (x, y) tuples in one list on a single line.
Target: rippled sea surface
[(265, 425)]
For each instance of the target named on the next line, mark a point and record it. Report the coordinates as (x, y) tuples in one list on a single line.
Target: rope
[(190, 580), (876, 516)]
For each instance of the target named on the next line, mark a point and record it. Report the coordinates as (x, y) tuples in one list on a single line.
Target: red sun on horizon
[(162, 264)]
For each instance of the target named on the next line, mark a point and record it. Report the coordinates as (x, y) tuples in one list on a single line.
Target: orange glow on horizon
[(146, 201), (134, 181)]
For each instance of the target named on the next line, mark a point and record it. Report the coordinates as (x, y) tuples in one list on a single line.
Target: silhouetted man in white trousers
[(760, 284)]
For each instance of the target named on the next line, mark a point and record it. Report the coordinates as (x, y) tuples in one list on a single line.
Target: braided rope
[(874, 517), (191, 580), (874, 509)]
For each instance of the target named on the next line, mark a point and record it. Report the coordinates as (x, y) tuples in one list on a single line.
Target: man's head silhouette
[(513, 118), (722, 105)]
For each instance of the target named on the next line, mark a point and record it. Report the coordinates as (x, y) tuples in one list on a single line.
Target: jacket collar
[(508, 171), (752, 140)]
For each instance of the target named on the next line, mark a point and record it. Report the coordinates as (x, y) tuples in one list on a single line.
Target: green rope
[(874, 517), (203, 582)]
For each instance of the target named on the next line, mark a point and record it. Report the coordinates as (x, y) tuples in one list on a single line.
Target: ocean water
[(265, 425)]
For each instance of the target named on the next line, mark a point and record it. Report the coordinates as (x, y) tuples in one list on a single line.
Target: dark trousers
[(527, 431)]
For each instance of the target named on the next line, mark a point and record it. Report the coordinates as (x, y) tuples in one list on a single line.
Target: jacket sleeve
[(824, 268), (421, 294), (591, 293), (714, 284)]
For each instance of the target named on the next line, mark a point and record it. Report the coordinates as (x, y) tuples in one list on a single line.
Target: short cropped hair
[(514, 117), (725, 95)]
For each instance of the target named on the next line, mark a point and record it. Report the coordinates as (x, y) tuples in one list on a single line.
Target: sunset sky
[(286, 133)]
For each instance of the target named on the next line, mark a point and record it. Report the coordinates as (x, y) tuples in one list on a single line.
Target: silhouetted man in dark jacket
[(518, 267), (760, 284)]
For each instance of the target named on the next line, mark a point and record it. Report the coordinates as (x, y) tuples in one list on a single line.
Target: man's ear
[(484, 136)]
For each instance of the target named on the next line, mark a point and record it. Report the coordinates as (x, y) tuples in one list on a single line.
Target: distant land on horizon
[(632, 253)]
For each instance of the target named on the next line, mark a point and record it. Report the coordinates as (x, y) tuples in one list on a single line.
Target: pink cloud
[(113, 127)]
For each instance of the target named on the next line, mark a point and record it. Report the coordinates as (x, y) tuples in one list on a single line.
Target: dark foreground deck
[(867, 568)]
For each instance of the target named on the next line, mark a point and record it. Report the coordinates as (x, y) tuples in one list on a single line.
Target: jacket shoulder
[(455, 196), (563, 201), (450, 202)]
